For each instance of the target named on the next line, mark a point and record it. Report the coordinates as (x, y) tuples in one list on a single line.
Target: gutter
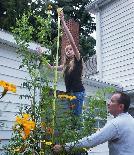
[(8, 39), (101, 84), (98, 45), (96, 5)]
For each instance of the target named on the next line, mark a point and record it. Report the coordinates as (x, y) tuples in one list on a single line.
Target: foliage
[(74, 9), (98, 107), (32, 61), (11, 10), (87, 46), (50, 123)]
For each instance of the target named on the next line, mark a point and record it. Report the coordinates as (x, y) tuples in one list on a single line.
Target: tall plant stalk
[(55, 78)]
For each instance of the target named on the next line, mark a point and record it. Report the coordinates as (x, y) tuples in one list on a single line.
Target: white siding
[(117, 41), (9, 104)]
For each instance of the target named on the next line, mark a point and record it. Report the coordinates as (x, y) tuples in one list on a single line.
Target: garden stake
[(55, 77)]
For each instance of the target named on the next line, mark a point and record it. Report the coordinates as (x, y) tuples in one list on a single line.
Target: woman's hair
[(68, 63)]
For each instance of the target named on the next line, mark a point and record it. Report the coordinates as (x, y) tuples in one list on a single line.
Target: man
[(119, 132)]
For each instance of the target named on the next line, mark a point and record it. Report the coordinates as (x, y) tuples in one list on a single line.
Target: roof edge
[(96, 5), (8, 38), (101, 84)]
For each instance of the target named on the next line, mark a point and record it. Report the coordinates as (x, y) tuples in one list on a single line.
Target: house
[(10, 72), (115, 43), (114, 48)]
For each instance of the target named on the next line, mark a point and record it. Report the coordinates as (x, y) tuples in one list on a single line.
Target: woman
[(72, 67)]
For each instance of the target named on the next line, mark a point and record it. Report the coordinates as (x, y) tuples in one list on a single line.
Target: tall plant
[(28, 139)]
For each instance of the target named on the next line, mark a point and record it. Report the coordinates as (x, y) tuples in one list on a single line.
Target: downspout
[(98, 45)]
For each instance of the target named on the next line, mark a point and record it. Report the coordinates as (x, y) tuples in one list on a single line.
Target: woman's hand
[(60, 12), (61, 15), (49, 66)]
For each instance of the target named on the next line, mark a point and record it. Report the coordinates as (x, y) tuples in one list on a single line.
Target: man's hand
[(57, 148)]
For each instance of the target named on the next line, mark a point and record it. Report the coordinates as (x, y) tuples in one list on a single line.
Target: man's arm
[(108, 132)]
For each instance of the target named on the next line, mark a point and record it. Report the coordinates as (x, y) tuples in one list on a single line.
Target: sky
[(94, 33)]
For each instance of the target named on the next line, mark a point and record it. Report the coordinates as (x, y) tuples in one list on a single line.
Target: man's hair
[(124, 99)]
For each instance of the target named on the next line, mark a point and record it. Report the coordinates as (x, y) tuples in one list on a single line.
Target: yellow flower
[(17, 149), (43, 124), (26, 132), (73, 97), (18, 120), (26, 124), (85, 149), (26, 116), (2, 83), (13, 88), (48, 143), (8, 86), (49, 7), (68, 97), (42, 141)]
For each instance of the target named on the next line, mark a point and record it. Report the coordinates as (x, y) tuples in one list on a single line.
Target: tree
[(87, 46), (12, 9), (76, 9)]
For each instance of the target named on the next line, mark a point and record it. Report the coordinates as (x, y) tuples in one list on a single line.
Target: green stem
[(55, 79)]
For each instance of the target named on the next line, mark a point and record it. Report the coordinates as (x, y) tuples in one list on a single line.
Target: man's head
[(119, 103)]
